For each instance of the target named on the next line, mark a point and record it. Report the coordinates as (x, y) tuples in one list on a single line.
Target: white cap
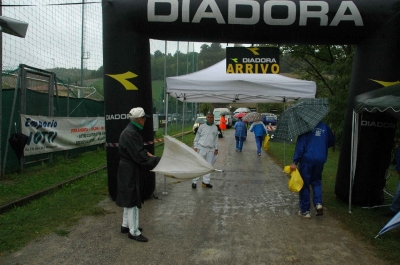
[(137, 113)]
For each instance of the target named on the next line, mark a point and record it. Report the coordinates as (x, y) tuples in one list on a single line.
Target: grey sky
[(54, 36)]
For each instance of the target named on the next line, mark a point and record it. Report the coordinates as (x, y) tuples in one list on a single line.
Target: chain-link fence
[(68, 101)]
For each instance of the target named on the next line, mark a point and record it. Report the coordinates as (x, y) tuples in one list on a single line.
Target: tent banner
[(252, 60), (52, 134)]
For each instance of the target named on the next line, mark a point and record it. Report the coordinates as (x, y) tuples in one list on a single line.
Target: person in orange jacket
[(222, 123)]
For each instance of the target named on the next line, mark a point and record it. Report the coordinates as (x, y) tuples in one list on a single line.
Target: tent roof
[(213, 84), (385, 99)]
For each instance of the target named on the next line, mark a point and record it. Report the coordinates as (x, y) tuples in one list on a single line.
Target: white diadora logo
[(378, 124), (209, 9), (117, 117)]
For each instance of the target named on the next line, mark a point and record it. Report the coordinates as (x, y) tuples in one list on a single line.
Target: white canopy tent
[(213, 84)]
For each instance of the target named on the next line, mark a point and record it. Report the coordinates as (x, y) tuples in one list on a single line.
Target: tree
[(266, 107), (206, 108), (330, 67), (210, 55)]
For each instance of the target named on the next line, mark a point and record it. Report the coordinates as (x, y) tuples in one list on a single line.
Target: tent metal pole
[(284, 141), (284, 152), (183, 116), (353, 161), (166, 133), (17, 88), (166, 107)]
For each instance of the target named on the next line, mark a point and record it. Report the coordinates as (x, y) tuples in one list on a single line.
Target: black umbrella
[(17, 142)]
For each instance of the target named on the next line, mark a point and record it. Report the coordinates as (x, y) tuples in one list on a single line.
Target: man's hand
[(293, 167), (149, 154), (195, 149), (216, 152)]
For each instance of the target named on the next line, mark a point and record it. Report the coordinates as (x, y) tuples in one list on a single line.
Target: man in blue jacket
[(309, 157), (259, 131)]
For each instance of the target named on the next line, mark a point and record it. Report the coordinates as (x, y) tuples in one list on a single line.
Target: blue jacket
[(312, 147), (240, 129), (258, 128)]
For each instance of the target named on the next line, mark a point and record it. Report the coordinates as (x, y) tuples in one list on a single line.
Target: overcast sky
[(54, 36)]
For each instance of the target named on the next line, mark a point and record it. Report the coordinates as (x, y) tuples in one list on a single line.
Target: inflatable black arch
[(372, 25)]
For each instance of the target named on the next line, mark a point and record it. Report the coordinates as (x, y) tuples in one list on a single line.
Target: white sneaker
[(319, 209), (305, 214)]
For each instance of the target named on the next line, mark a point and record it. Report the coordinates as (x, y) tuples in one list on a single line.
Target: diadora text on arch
[(209, 9), (378, 124), (117, 117)]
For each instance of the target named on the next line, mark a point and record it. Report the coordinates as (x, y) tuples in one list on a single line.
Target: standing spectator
[(206, 144), (222, 123), (259, 131), (395, 206), (134, 163), (309, 157), (240, 134)]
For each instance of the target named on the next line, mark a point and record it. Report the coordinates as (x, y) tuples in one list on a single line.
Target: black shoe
[(194, 185), (139, 238), (125, 230), (206, 185)]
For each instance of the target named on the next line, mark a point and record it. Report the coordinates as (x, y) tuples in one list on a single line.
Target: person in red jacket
[(222, 123)]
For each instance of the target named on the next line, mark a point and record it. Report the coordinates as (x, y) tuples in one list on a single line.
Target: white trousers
[(130, 219), (209, 157)]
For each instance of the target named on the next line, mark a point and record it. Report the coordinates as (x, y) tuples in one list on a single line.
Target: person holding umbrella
[(310, 155)]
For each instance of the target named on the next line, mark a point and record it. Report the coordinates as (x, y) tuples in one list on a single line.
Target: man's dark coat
[(133, 167)]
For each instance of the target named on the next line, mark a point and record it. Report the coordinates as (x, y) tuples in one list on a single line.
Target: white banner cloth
[(181, 161), (51, 134)]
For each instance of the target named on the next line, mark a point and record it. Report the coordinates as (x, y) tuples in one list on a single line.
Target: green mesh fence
[(37, 104)]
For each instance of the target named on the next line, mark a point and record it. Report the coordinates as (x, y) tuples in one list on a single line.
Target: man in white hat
[(135, 162)]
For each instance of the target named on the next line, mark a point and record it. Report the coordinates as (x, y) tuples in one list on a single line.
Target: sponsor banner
[(51, 134), (252, 60)]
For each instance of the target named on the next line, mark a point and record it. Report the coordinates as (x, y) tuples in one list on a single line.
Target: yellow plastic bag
[(266, 142), (295, 183)]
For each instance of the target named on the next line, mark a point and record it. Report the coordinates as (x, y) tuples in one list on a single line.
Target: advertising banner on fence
[(51, 134)]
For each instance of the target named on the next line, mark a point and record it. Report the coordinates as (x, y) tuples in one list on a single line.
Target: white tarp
[(181, 161), (51, 134), (213, 84)]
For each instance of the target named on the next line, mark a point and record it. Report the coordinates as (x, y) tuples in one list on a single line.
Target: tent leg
[(165, 185), (284, 152), (353, 162)]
